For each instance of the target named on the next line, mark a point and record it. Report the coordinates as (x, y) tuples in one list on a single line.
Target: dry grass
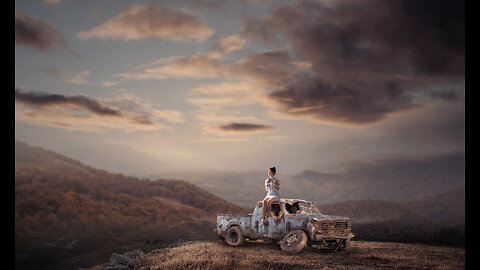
[(259, 255)]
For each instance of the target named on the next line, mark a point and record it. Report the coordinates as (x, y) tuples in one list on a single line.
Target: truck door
[(275, 225)]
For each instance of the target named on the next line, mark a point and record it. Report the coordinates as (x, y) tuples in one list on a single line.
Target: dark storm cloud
[(341, 103), (447, 95), (78, 112), (39, 35), (367, 58), (49, 100), (244, 127), (271, 67)]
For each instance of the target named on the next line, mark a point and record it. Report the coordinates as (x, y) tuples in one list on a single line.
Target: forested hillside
[(63, 206)]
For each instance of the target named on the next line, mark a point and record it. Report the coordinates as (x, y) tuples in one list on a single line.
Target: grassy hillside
[(66, 210)]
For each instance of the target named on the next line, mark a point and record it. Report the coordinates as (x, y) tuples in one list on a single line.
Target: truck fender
[(233, 224)]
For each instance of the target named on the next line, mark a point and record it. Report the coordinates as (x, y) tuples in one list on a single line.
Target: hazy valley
[(393, 179)]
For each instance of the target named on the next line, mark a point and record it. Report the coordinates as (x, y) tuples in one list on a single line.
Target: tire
[(234, 236), (294, 242)]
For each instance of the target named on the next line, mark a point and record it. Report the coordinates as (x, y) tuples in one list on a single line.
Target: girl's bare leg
[(269, 206), (264, 208)]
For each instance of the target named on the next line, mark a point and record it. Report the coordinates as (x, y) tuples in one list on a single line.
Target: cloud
[(215, 4), (173, 116), (209, 117), (36, 34), (225, 94), (209, 64), (244, 127), (362, 61), (341, 104), (108, 83), (447, 95), (73, 77), (52, 2), (270, 67), (128, 102), (126, 112), (344, 62), (151, 21), (229, 44), (43, 100), (52, 71), (229, 101), (197, 66), (77, 77)]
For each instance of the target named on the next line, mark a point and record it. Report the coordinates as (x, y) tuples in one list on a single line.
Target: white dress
[(273, 192)]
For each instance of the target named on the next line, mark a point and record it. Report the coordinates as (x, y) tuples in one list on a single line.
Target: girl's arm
[(275, 185)]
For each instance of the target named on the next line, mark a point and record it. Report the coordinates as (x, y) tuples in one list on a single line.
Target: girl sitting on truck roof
[(272, 186)]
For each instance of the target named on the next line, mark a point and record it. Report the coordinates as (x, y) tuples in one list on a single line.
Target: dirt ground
[(261, 255)]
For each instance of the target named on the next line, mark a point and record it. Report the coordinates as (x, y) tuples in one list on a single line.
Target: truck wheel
[(294, 242), (234, 236)]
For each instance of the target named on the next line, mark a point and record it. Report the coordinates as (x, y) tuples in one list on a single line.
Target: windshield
[(302, 208)]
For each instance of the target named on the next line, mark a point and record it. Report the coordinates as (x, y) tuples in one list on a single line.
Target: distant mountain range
[(399, 179), (299, 156), (447, 208), (438, 219)]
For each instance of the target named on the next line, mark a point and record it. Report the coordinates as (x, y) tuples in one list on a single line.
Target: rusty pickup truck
[(296, 223)]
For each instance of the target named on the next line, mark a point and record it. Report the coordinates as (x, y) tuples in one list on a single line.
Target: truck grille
[(334, 226)]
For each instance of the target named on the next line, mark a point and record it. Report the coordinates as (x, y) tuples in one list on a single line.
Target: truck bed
[(224, 221)]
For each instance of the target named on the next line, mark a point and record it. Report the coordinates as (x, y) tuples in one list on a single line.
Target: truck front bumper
[(320, 237)]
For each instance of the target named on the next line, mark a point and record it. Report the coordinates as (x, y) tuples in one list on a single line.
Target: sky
[(239, 85)]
